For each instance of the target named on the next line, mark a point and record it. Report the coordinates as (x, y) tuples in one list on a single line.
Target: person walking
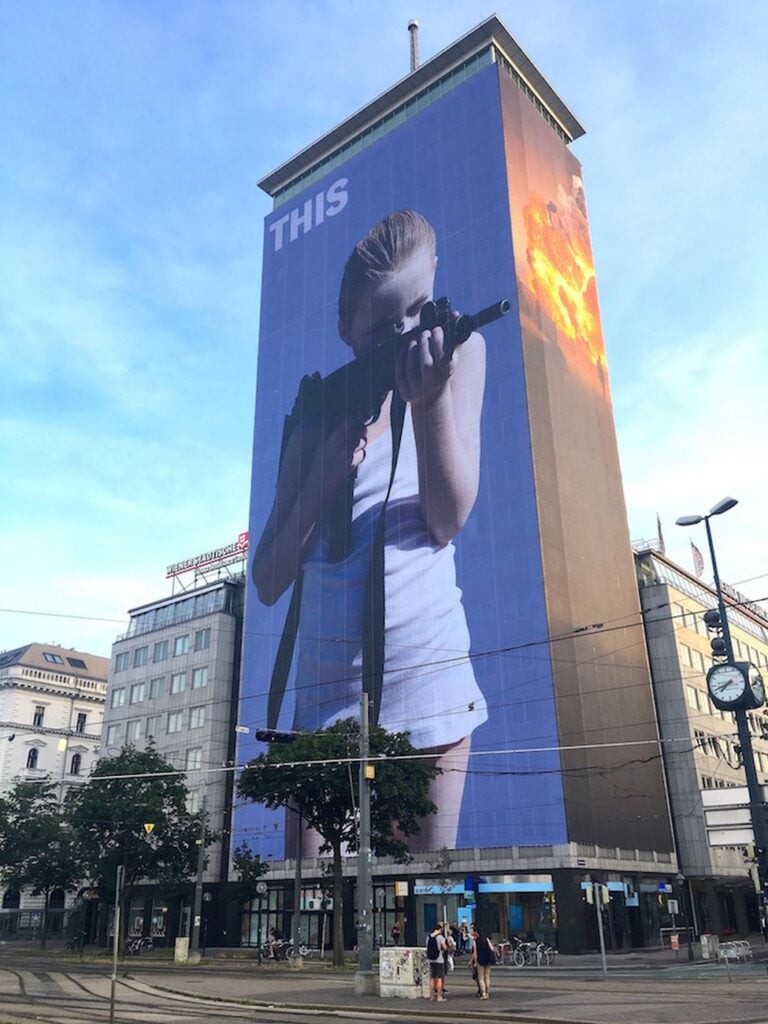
[(483, 958), (435, 955)]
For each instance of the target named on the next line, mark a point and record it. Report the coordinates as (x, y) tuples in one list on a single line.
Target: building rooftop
[(490, 36), (53, 658)]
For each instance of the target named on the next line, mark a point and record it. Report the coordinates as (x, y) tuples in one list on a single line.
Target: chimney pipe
[(413, 29)]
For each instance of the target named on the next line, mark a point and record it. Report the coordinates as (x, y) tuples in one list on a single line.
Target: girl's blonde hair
[(383, 250)]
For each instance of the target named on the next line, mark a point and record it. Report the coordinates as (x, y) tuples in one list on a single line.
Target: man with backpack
[(436, 957)]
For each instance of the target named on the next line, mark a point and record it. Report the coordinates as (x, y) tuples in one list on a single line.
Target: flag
[(660, 535), (698, 560)]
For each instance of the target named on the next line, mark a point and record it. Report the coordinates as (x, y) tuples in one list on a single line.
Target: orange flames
[(562, 271)]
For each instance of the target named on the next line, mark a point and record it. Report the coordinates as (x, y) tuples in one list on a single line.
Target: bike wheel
[(518, 958)]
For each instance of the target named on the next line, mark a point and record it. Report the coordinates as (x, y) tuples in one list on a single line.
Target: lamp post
[(754, 790)]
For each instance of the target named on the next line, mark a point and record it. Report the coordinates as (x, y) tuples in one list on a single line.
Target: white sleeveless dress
[(429, 687)]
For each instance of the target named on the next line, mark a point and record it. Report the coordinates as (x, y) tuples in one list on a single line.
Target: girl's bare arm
[(446, 404)]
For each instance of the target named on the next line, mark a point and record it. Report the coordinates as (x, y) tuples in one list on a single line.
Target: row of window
[(161, 651), (708, 782), (75, 764), (155, 726), (695, 622), (156, 688), (38, 718)]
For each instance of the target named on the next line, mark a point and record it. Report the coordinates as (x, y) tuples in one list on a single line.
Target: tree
[(323, 794), (37, 850), (250, 868), (108, 814)]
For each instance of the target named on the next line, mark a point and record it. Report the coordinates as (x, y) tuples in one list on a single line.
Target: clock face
[(727, 684), (756, 685)]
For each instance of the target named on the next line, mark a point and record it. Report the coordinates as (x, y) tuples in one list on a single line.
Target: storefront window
[(159, 921)]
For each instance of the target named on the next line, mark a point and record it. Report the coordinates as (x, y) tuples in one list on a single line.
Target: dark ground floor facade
[(640, 911)]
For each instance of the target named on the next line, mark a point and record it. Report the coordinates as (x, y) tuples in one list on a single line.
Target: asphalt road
[(59, 991)]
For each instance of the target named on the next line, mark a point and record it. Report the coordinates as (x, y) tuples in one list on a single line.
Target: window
[(736, 646), (122, 661), (692, 696), (200, 678), (194, 801), (32, 757), (685, 655), (118, 698), (178, 682), (133, 732), (700, 739), (75, 763), (698, 661), (707, 782), (76, 662), (54, 659), (140, 656), (154, 726), (115, 735), (175, 721), (82, 718), (181, 645), (137, 693), (160, 651), (38, 716), (194, 759), (197, 717), (156, 687), (203, 639)]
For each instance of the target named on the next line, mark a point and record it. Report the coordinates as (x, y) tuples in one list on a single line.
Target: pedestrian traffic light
[(605, 895), (714, 624), (274, 736)]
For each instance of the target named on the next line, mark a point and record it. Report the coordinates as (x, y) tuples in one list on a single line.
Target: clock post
[(753, 696)]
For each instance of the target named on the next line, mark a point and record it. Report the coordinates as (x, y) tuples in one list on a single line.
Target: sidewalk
[(701, 994)]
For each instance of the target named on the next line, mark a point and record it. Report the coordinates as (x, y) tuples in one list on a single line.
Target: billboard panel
[(461, 514), (463, 575)]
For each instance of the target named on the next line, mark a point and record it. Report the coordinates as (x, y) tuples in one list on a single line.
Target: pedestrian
[(464, 940), (483, 958), (395, 934), (435, 955)]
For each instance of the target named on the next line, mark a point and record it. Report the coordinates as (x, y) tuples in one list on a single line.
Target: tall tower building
[(504, 630)]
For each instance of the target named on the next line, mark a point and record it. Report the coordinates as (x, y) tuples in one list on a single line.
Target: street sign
[(673, 907)]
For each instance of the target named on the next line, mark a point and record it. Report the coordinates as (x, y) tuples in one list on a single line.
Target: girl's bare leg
[(446, 792)]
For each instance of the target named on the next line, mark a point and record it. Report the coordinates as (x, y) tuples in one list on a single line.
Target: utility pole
[(197, 902), (296, 920), (597, 897), (365, 981), (757, 806), (115, 939)]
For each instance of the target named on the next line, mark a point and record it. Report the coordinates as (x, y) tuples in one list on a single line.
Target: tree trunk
[(338, 909), (45, 919)]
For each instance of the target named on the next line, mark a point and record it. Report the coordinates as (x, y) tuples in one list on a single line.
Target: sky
[(132, 137)]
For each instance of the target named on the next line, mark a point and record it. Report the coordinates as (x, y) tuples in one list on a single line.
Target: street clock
[(736, 687)]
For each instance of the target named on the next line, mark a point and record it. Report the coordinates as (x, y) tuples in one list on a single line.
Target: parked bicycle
[(138, 944), (533, 954)]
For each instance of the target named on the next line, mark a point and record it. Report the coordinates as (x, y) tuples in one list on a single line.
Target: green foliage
[(250, 869), (313, 777), (325, 795), (37, 850), (108, 814)]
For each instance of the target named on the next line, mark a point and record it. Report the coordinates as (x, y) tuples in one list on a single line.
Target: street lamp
[(754, 790)]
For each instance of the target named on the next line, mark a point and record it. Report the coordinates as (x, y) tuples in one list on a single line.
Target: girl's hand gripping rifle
[(357, 390)]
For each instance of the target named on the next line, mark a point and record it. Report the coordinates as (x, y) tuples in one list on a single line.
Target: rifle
[(358, 389)]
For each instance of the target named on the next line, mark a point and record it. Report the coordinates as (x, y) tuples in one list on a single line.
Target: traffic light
[(605, 895), (714, 624), (274, 736)]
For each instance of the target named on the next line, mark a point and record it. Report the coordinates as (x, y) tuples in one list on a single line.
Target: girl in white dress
[(428, 688)]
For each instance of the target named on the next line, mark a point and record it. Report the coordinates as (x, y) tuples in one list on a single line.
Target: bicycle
[(138, 944)]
